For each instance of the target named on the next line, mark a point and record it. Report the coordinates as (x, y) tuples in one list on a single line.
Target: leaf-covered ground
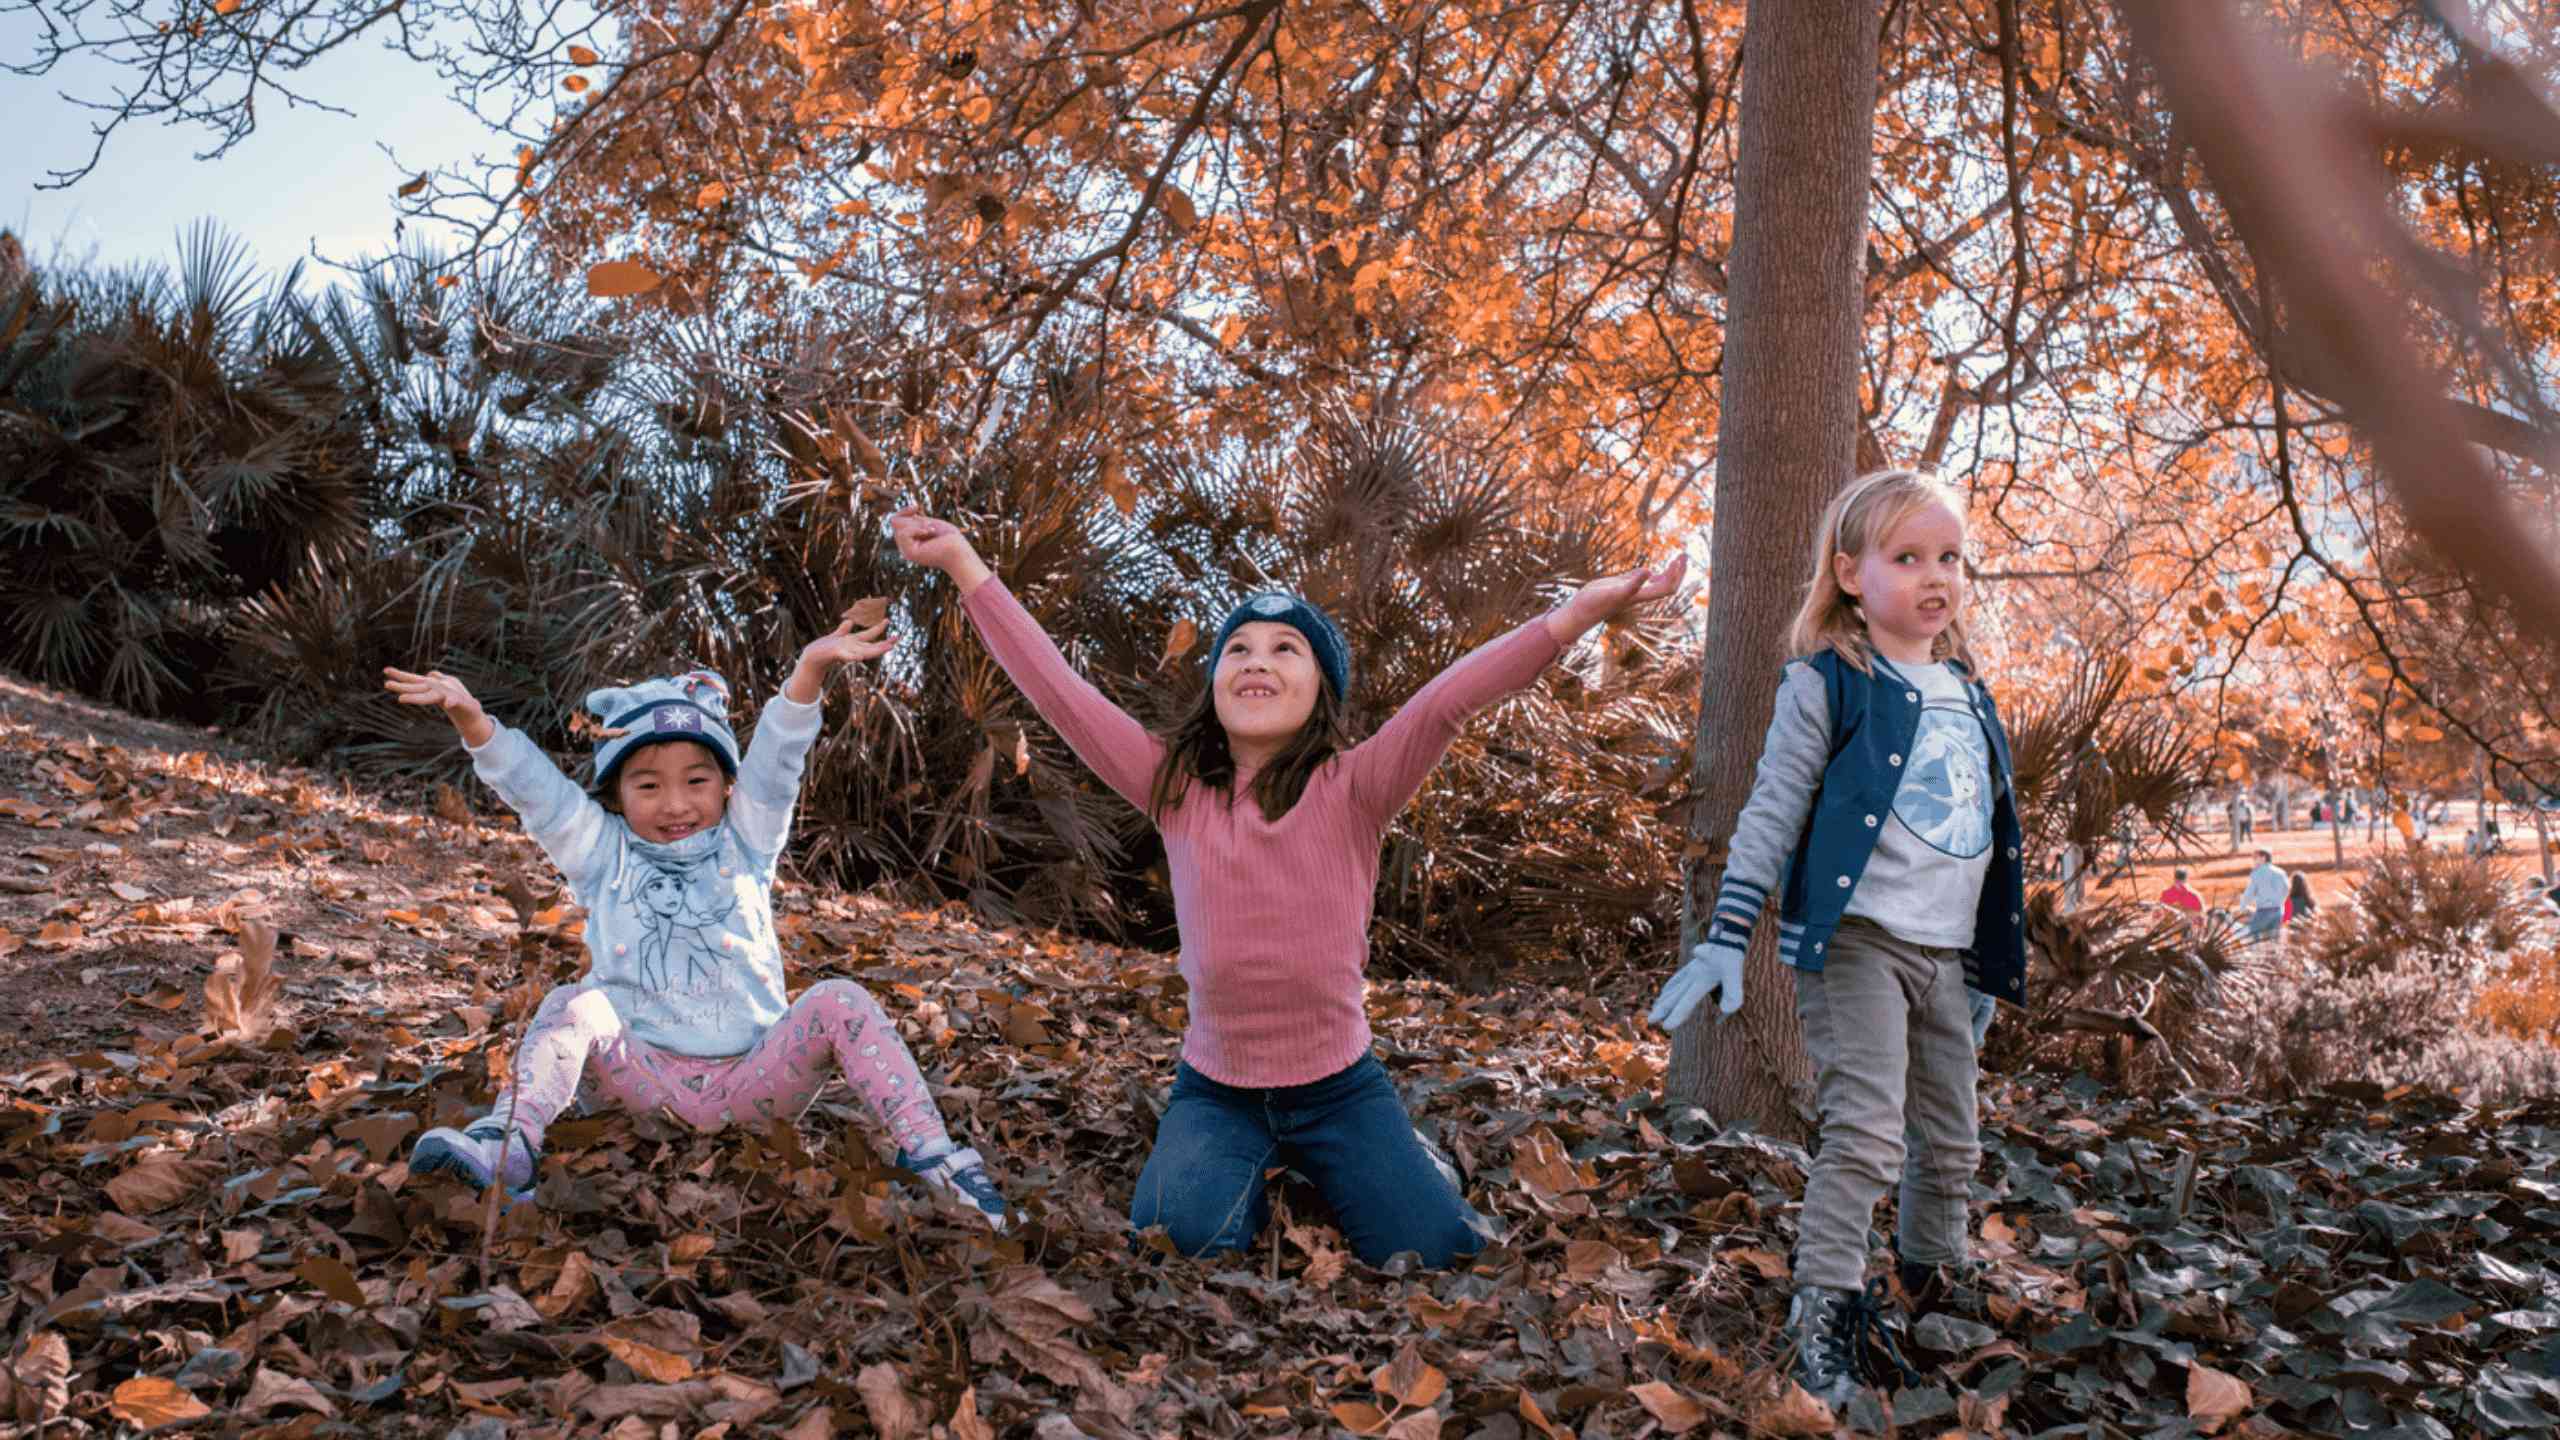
[(240, 991)]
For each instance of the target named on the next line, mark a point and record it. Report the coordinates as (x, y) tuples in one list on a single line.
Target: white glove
[(1713, 969)]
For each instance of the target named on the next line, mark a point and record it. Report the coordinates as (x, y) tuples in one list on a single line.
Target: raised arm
[(568, 825), (1107, 738), (778, 754), (1386, 769)]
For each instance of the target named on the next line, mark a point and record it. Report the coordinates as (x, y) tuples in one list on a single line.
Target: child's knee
[(581, 1007), (842, 1000)]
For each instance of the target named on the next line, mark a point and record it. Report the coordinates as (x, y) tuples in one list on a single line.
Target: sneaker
[(484, 1152), (1840, 1337), (960, 1173)]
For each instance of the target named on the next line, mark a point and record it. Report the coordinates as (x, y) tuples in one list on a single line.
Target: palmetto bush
[(170, 443), (566, 505)]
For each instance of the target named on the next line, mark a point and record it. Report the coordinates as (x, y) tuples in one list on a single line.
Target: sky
[(305, 179)]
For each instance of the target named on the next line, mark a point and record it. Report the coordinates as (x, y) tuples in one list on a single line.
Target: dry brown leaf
[(1792, 1412), (1420, 1425), (613, 279), (130, 894), (966, 1423), (1590, 1259), (156, 1184), (885, 1399), (150, 1402), (331, 1277), (711, 195), (271, 1387), (240, 995), (1412, 1382), (1674, 1412), (1360, 1417), (575, 1283), (41, 1376), (581, 55), (1114, 474), (819, 1423), (869, 611), (451, 806), (1537, 1419), (648, 1361), (1770, 1264), (1178, 644), (2214, 1397)]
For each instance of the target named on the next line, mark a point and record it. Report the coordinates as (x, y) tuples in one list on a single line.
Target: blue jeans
[(1347, 1132)]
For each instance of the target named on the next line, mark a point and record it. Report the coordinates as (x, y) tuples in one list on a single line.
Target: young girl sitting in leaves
[(1272, 819), (1883, 804), (673, 857)]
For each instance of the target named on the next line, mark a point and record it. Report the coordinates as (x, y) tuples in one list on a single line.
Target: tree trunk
[(1794, 335)]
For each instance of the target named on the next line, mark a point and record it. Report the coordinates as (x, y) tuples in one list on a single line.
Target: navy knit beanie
[(693, 706), (1333, 655)]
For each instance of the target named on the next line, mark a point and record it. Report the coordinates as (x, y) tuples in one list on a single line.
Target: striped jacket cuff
[(1737, 912)]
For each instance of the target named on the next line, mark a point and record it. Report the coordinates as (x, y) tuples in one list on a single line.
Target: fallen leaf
[(966, 1424), (894, 1415), (1792, 1412), (240, 996), (1360, 1417), (711, 195), (1409, 1380), (449, 802), (331, 1277), (1590, 1259), (648, 1361), (271, 1387), (1674, 1412), (2214, 1397), (130, 894), (156, 1184), (41, 1373), (869, 611), (149, 1402), (1420, 1425)]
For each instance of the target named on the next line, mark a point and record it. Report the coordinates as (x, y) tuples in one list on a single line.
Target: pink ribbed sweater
[(1274, 915)]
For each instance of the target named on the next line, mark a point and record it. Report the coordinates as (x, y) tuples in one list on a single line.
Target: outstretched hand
[(437, 688), (1604, 599), (843, 645), (935, 544)]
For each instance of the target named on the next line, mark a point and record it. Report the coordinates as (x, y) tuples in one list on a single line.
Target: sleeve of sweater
[(1383, 771), (1104, 736), (564, 820), (769, 776), (1792, 759)]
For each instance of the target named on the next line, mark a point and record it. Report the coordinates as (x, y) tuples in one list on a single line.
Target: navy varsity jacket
[(1819, 802)]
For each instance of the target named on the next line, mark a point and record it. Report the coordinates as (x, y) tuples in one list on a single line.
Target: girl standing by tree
[(682, 1006), (1883, 804), (1271, 817)]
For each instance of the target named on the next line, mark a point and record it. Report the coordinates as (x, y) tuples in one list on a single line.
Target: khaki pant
[(1890, 1033)]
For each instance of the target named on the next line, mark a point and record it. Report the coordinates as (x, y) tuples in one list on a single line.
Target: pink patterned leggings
[(577, 1035)]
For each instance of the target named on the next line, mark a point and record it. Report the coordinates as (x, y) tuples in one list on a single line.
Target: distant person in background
[(2179, 897), (2299, 905), (2264, 896)]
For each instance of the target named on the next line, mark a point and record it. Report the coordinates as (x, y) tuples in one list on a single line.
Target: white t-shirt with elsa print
[(1924, 881)]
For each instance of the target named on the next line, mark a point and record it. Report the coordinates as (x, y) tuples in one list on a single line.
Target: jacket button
[(1911, 695), (2013, 917), (1871, 822), (1844, 882), (1817, 947), (2013, 852), (1896, 759)]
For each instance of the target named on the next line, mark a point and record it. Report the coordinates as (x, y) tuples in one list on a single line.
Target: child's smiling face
[(1910, 583), (671, 789), (1265, 686)]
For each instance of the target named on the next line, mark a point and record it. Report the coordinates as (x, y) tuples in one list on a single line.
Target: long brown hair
[(1860, 516), (1196, 749)]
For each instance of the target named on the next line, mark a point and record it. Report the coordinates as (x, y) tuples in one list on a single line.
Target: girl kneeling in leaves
[(1271, 819), (673, 857), (1883, 804)]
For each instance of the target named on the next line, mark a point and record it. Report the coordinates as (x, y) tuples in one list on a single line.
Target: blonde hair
[(1862, 515)]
